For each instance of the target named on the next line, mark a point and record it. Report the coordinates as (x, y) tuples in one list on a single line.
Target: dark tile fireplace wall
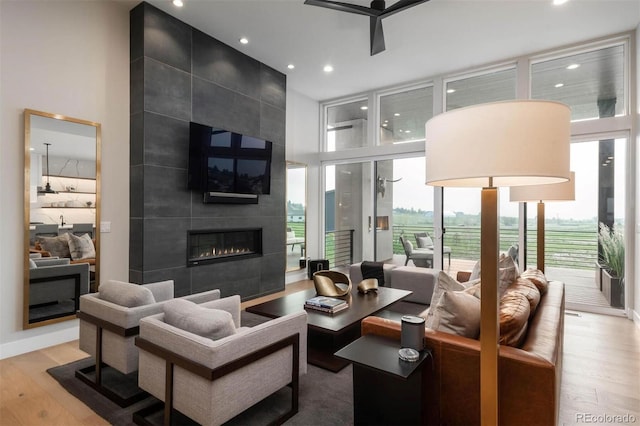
[(178, 75)]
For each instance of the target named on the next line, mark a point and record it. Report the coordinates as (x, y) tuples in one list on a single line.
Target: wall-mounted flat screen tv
[(224, 162)]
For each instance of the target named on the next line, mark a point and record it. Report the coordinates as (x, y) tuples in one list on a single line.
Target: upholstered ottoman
[(420, 281), (355, 273)]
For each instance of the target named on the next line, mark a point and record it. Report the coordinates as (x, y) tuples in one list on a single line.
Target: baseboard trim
[(39, 341), (636, 318)]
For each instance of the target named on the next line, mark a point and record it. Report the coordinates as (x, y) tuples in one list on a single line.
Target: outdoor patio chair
[(421, 257)]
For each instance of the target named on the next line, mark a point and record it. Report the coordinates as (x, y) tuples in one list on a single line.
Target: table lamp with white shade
[(493, 145), (564, 191)]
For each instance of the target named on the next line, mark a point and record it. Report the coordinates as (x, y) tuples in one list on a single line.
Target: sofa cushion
[(56, 246), (125, 294), (514, 314), (32, 264), (81, 247), (457, 312), (206, 322), (527, 289), (536, 277)]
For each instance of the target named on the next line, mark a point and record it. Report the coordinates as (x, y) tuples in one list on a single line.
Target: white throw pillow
[(210, 323), (458, 313), (125, 294), (444, 283), (81, 247), (424, 242), (507, 273)]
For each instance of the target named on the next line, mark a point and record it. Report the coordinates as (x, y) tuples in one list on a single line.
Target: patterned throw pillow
[(56, 246), (81, 247)]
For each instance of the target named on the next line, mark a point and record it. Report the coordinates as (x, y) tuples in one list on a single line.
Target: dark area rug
[(325, 398)]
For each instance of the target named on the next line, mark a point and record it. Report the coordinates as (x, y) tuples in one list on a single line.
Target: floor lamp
[(495, 145), (565, 191)]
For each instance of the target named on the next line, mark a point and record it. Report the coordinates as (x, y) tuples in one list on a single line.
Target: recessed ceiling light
[(386, 121), (291, 66), (383, 125), (400, 130), (451, 90), (244, 40), (558, 85), (397, 114), (407, 131), (328, 68), (32, 149), (573, 66), (364, 107), (178, 3), (609, 158), (559, 2), (329, 127)]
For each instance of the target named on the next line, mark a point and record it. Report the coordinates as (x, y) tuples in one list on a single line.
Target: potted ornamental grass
[(612, 258)]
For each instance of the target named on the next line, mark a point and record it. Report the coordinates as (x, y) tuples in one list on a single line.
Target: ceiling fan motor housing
[(378, 4)]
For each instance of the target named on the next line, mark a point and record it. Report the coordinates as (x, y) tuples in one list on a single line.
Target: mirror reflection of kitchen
[(62, 211)]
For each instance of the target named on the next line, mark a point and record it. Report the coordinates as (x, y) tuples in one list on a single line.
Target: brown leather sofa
[(529, 376)]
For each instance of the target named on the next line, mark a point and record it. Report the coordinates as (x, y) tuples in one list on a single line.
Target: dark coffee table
[(327, 333)]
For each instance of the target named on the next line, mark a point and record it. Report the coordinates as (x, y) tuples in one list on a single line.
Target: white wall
[(70, 58)]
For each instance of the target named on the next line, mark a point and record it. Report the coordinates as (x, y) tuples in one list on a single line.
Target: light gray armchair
[(55, 287), (109, 322), (212, 381)]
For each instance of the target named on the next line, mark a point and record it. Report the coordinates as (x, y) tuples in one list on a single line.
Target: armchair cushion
[(125, 294), (210, 323)]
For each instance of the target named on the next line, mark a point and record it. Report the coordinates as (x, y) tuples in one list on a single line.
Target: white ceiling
[(437, 37)]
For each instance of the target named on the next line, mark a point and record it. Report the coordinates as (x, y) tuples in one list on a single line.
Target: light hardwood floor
[(601, 376)]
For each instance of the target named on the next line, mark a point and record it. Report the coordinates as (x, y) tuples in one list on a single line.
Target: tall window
[(490, 87), (346, 126), (591, 83), (404, 114)]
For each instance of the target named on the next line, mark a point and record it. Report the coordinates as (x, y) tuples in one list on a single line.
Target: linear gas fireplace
[(209, 246)]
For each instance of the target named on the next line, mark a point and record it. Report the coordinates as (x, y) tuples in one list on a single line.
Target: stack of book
[(326, 304)]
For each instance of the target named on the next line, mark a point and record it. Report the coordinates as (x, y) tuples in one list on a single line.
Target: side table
[(386, 390)]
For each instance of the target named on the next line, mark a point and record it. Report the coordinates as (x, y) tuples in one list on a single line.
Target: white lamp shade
[(523, 142), (564, 191)]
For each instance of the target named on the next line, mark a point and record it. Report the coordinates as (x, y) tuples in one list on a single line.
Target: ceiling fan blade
[(377, 35), (344, 7), (400, 6)]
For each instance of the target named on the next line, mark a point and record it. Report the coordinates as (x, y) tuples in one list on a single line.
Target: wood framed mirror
[(61, 215), (296, 238)]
